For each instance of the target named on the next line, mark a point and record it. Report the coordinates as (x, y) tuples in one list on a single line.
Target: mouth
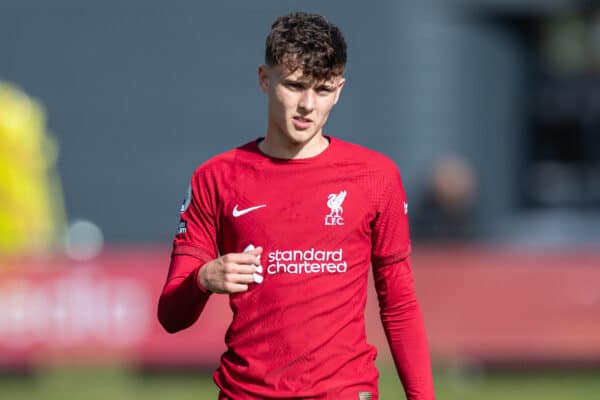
[(301, 122)]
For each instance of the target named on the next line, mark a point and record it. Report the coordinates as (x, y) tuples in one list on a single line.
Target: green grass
[(506, 385), (123, 384)]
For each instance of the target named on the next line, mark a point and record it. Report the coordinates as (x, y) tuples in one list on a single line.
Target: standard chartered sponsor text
[(306, 261)]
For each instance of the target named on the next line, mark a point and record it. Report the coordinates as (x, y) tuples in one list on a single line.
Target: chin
[(300, 138), (297, 140)]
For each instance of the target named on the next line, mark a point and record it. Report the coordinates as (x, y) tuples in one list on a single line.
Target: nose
[(307, 101)]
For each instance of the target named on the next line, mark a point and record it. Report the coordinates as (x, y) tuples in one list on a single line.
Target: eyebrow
[(308, 82), (304, 82), (327, 85)]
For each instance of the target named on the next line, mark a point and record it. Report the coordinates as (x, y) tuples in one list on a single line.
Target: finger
[(242, 258), (230, 287), (243, 269), (239, 278), (257, 251)]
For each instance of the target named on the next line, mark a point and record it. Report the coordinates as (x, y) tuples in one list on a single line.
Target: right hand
[(230, 273)]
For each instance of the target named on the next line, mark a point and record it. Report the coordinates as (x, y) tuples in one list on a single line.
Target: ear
[(263, 77), (338, 91)]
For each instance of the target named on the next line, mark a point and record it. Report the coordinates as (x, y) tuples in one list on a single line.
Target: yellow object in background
[(31, 204)]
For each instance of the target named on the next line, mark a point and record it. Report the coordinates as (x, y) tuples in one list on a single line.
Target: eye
[(295, 85), (324, 89)]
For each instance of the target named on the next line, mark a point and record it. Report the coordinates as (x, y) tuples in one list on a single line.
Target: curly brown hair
[(309, 42)]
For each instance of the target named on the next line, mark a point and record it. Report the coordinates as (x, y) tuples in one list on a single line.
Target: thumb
[(256, 251)]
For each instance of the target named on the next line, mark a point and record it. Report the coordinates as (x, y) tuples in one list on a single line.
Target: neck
[(275, 146)]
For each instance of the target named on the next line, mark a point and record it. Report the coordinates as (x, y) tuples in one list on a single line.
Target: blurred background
[(491, 110)]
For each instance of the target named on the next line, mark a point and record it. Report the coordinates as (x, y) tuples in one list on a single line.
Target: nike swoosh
[(239, 213)]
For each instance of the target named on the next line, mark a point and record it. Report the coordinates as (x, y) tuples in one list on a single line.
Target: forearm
[(403, 324), (182, 300)]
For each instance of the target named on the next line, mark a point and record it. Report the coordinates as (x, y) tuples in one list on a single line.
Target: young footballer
[(288, 226)]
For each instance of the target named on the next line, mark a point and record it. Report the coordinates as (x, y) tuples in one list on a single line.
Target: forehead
[(284, 73)]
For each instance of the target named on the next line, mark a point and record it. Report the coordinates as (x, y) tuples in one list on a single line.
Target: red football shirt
[(322, 221)]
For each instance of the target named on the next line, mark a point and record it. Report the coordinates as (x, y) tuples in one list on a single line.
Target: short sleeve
[(198, 225), (390, 231)]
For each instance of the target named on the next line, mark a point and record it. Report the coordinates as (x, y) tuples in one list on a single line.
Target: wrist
[(200, 281)]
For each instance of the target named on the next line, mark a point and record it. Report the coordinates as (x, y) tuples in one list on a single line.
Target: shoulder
[(224, 162), (369, 158)]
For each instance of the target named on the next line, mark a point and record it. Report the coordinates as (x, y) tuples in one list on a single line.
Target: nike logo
[(239, 213)]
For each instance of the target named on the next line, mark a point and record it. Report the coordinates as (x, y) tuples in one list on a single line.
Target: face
[(298, 106)]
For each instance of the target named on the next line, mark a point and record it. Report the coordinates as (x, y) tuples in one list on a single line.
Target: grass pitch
[(123, 384)]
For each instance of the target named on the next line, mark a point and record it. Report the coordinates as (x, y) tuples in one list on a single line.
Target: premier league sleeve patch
[(187, 200), (182, 228)]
